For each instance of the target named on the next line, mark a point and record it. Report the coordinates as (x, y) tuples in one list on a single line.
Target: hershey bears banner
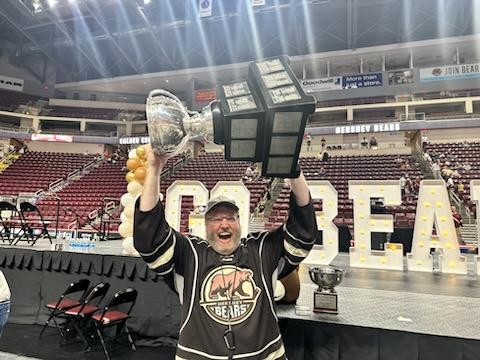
[(450, 72)]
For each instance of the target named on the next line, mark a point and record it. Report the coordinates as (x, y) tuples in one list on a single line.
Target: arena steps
[(469, 233)]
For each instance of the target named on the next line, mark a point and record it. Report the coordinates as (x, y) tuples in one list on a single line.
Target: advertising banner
[(9, 83), (450, 72), (322, 84), (362, 80)]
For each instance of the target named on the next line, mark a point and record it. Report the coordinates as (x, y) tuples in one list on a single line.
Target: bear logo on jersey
[(229, 294)]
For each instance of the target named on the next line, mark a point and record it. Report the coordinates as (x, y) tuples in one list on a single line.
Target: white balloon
[(134, 188), (127, 200), (125, 229), (128, 247), (125, 219), (132, 154), (128, 212)]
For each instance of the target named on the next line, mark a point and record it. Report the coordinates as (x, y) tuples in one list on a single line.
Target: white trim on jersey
[(159, 246), (293, 250), (194, 285), (164, 258), (260, 249), (279, 352), (179, 283), (295, 238)]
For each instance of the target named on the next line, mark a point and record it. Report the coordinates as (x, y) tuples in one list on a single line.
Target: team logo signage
[(450, 72), (229, 294)]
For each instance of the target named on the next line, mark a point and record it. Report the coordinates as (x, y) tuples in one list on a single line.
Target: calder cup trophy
[(171, 125), (325, 298)]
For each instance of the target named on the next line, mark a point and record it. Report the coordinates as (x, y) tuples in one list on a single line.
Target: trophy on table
[(325, 298), (259, 119)]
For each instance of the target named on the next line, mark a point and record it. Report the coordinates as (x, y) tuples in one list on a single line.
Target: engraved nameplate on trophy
[(325, 299)]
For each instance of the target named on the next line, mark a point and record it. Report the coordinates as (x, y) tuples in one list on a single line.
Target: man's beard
[(233, 245)]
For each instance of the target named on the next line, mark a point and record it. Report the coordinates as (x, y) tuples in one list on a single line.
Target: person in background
[(364, 143), (457, 221), (309, 141), (323, 142), (4, 302)]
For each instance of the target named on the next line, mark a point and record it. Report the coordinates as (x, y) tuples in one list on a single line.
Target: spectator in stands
[(457, 221), (460, 188), (2, 153), (261, 206), (437, 174), (323, 142), (249, 172), (450, 183), (325, 156), (418, 181), (4, 302), (210, 267), (427, 157), (373, 142), (467, 167), (403, 182), (256, 172), (308, 138), (364, 143)]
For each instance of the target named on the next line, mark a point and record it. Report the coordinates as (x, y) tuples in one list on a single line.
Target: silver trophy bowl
[(171, 125), (326, 277)]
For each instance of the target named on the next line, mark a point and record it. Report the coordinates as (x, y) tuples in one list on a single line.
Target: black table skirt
[(38, 277)]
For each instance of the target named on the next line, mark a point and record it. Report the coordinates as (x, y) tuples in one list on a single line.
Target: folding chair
[(10, 222), (80, 314), (113, 316), (32, 221), (57, 308)]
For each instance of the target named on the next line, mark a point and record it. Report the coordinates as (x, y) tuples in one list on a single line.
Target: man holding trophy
[(226, 283)]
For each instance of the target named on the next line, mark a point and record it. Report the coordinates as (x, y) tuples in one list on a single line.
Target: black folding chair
[(34, 225), (112, 315), (11, 224), (57, 308), (80, 314)]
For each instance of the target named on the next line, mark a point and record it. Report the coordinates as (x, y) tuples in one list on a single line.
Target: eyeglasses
[(219, 219)]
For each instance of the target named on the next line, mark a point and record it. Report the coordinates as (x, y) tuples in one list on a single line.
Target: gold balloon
[(130, 176), (140, 152), (140, 173), (133, 164)]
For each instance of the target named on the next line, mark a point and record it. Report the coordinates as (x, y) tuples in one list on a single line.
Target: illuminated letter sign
[(362, 255), (433, 209)]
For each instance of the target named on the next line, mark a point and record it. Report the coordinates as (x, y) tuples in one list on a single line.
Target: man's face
[(223, 229)]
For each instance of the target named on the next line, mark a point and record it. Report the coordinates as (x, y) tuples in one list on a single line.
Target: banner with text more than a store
[(450, 72)]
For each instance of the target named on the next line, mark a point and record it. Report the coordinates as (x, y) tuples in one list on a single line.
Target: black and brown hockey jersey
[(234, 292)]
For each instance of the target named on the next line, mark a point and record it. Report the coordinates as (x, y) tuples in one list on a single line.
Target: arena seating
[(34, 171), (11, 100), (338, 170), (456, 156), (80, 198), (76, 112)]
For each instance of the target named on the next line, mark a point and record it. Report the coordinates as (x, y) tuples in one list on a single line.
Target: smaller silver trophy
[(171, 125), (325, 298)]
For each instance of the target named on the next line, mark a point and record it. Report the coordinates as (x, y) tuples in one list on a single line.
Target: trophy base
[(324, 302)]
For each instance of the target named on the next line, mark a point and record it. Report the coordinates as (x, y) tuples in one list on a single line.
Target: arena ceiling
[(92, 39)]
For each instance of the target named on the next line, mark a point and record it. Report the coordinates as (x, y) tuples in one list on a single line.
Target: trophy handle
[(165, 93), (311, 277)]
